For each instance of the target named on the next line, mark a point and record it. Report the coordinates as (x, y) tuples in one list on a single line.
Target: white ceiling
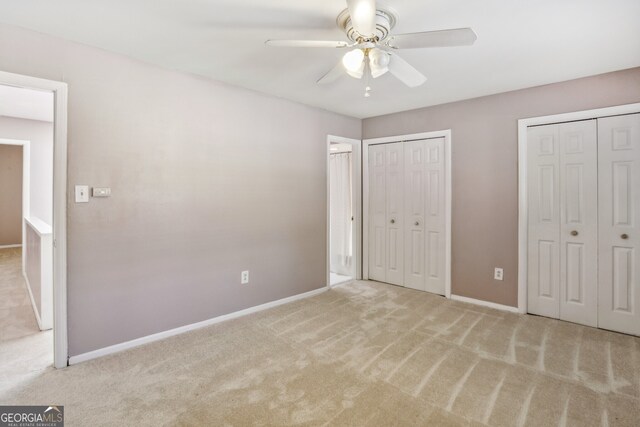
[(26, 103), (521, 43)]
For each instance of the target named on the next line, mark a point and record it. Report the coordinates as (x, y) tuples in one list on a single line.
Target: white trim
[(59, 89), (10, 246), (193, 326), (523, 124), (39, 226), (33, 301), (356, 158), (448, 214), (45, 313), (485, 303), (365, 210), (446, 134)]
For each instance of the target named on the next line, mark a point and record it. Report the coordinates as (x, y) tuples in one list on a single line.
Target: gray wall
[(207, 180), (485, 169), (10, 194), (40, 136)]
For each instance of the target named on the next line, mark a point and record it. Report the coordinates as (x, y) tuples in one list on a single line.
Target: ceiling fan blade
[(405, 72), (363, 16), (442, 38), (306, 43), (334, 74)]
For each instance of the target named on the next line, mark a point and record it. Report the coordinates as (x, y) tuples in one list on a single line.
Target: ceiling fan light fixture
[(357, 74), (372, 50), (378, 62), (353, 60)]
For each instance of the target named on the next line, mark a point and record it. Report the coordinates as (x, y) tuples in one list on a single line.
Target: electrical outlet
[(244, 277), (498, 274)]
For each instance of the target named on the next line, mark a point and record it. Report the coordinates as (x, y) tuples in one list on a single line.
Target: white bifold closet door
[(395, 213), (377, 213), (583, 222), (386, 218), (619, 233), (425, 220), (407, 216), (563, 221), (415, 178)]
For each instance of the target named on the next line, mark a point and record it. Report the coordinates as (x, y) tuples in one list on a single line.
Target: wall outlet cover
[(498, 273), (244, 277), (82, 194)]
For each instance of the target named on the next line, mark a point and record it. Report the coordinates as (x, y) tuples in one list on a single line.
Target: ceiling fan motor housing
[(385, 21)]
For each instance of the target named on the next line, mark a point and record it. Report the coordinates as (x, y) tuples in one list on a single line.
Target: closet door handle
[(624, 236), (417, 223), (393, 221), (574, 233)]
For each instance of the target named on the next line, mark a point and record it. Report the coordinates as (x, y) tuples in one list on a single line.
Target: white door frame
[(446, 134), (356, 159), (523, 208), (59, 89)]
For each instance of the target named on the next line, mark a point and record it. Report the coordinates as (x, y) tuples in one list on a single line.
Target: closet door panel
[(435, 216), (578, 222), (619, 223), (415, 181), (377, 213), (394, 180), (543, 281)]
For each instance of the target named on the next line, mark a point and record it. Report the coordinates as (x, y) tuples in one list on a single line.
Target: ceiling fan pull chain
[(367, 79)]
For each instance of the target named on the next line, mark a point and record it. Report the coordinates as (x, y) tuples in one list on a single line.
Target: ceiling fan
[(372, 50)]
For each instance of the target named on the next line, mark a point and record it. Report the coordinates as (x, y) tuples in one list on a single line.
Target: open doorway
[(26, 229), (344, 210)]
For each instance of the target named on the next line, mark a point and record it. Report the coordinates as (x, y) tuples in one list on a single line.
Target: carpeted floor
[(361, 354), (25, 351)]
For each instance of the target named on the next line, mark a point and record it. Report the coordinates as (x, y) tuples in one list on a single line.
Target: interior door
[(377, 213), (619, 234), (414, 242), (394, 180), (435, 216), (543, 281), (578, 222)]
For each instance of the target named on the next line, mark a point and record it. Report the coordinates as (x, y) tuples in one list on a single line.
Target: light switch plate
[(101, 192), (82, 194)]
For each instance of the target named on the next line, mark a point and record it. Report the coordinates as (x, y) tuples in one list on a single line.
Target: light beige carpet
[(362, 354), (24, 350)]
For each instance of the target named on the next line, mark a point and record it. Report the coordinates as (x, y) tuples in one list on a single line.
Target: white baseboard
[(485, 303), (33, 301), (10, 246), (182, 329)]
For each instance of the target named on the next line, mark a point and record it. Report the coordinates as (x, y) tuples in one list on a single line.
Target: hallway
[(24, 349)]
